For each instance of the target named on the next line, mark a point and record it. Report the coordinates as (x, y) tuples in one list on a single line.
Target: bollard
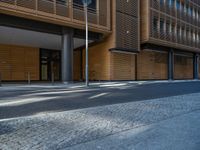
[(52, 78), (29, 78)]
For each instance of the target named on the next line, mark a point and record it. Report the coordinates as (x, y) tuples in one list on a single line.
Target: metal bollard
[(52, 78), (29, 78)]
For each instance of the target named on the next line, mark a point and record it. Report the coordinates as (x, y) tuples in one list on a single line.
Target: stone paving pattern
[(61, 130)]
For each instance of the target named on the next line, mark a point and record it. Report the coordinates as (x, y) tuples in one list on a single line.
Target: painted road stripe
[(98, 95)]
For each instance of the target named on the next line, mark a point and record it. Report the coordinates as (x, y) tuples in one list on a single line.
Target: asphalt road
[(18, 102)]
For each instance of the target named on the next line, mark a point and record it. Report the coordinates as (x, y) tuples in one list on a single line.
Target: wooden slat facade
[(131, 22), (16, 62), (99, 62), (123, 66), (152, 65), (99, 55), (64, 13), (179, 30), (127, 25), (183, 66)]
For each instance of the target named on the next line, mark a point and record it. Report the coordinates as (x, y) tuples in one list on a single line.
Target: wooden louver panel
[(17, 62), (127, 32), (31, 4), (127, 25), (69, 12), (62, 9), (46, 6), (5, 63), (8, 1), (128, 7), (103, 12), (123, 66)]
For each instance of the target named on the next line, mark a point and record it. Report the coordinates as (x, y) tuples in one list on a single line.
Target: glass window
[(194, 13), (189, 10), (63, 2), (168, 27), (171, 3), (178, 4), (161, 25), (155, 24), (79, 3), (161, 2)]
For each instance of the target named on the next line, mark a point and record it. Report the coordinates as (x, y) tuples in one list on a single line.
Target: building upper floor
[(172, 22), (184, 10), (62, 12)]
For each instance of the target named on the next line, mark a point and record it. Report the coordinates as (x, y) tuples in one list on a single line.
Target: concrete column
[(171, 64), (67, 55), (196, 66)]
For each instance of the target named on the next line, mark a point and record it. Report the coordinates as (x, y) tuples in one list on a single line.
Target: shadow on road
[(16, 103)]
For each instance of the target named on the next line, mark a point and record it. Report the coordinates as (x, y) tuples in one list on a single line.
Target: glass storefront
[(50, 65)]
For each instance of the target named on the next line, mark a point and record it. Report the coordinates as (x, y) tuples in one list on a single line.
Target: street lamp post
[(86, 3)]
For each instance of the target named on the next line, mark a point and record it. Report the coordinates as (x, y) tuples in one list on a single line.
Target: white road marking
[(98, 95), (23, 101)]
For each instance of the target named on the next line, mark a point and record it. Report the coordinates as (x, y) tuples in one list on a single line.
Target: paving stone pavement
[(62, 130), (177, 133)]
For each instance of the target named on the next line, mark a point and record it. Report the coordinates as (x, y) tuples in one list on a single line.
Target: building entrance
[(50, 65)]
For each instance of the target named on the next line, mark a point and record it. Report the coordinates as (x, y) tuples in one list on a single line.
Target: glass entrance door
[(50, 65)]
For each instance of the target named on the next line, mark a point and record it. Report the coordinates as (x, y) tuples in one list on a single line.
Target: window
[(173, 30), (194, 37), (171, 3), (185, 8), (62, 2), (155, 24), (194, 13), (178, 31), (168, 28), (183, 33), (189, 11), (178, 4), (161, 25), (91, 7), (161, 2)]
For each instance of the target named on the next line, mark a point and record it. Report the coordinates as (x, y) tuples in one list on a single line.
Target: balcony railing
[(174, 17), (62, 10), (171, 10)]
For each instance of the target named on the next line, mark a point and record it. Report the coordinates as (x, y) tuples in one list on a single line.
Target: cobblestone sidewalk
[(52, 131)]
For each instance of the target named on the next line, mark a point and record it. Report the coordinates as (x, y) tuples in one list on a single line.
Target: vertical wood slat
[(16, 62), (151, 65), (31, 4), (64, 10), (5, 62), (46, 6), (103, 11), (123, 66), (181, 64), (127, 25)]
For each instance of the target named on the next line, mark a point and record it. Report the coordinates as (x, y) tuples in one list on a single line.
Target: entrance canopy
[(22, 37)]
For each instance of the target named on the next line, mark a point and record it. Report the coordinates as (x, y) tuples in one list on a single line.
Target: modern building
[(129, 40), (170, 38)]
